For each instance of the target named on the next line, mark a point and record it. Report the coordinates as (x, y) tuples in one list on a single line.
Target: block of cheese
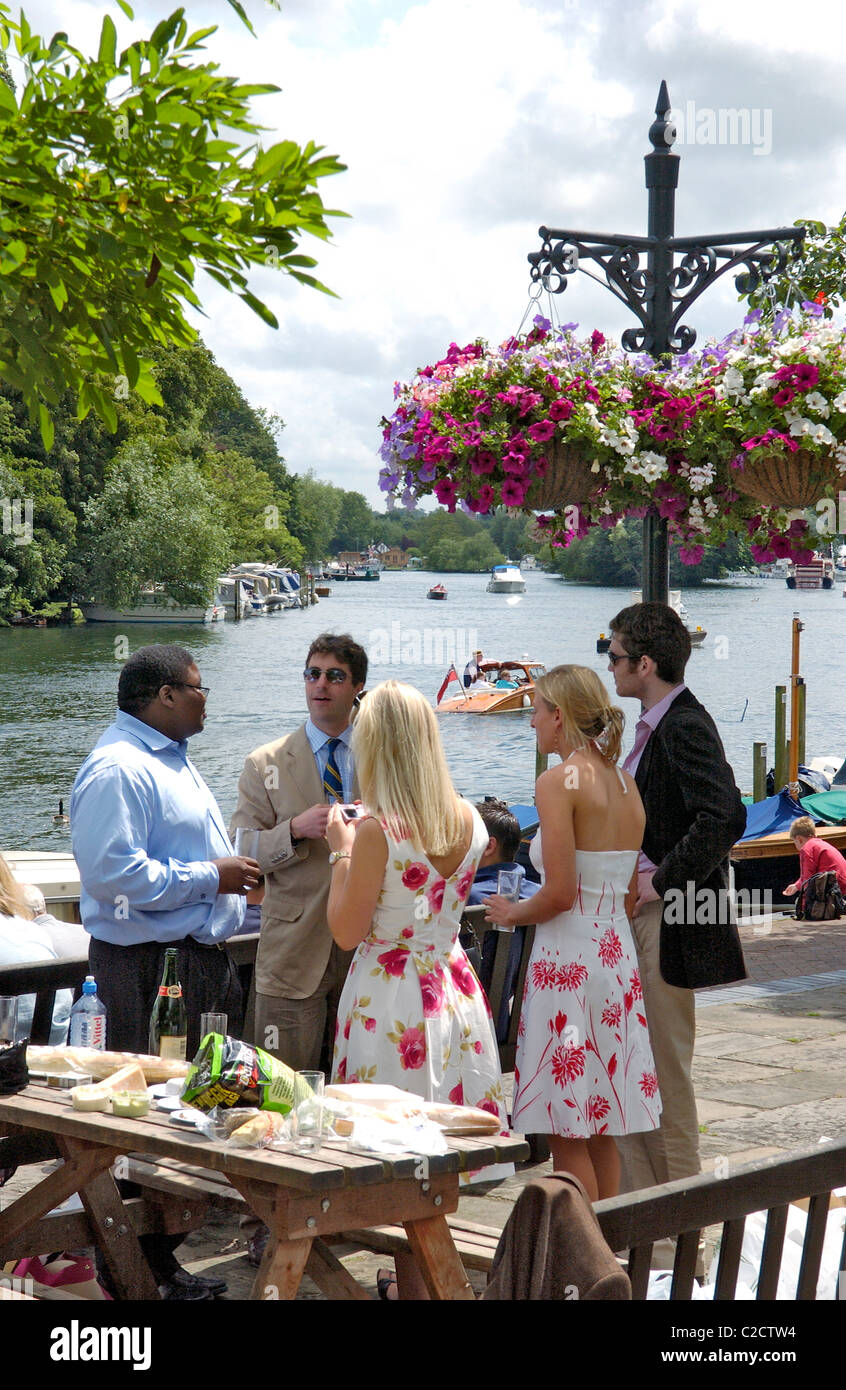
[(128, 1078), (90, 1098)]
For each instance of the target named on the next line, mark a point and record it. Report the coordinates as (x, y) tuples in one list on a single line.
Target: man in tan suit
[(285, 792)]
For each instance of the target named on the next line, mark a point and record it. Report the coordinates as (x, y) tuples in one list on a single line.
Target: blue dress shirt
[(343, 754), (144, 828)]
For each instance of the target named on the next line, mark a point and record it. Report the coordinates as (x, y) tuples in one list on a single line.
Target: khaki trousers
[(672, 1151), (301, 1032)]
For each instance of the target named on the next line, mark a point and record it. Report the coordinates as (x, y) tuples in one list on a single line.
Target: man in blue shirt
[(155, 861), (157, 870), (503, 829)]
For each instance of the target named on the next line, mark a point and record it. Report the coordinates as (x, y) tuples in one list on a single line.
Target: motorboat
[(437, 591), (234, 597), (153, 605), (274, 587), (817, 572), (506, 579), (500, 687), (697, 634)]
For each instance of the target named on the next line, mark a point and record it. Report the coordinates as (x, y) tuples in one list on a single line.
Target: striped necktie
[(332, 784)]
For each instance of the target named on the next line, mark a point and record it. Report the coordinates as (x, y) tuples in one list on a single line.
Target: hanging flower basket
[(791, 480), (571, 477), (722, 441)]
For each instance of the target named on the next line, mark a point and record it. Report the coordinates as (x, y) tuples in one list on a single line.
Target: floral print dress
[(412, 1013), (584, 1062)]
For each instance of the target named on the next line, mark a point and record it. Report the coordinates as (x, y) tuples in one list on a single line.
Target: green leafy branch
[(118, 181)]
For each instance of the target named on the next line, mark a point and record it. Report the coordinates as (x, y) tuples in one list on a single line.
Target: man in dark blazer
[(684, 926)]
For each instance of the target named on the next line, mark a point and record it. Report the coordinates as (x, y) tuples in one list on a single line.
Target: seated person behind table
[(503, 828), (816, 856), (30, 934)]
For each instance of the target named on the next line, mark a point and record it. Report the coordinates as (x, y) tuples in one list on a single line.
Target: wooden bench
[(681, 1210)]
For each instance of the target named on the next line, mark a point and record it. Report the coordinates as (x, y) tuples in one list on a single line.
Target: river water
[(58, 685)]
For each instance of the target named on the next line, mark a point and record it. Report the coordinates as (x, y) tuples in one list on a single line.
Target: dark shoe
[(257, 1245), (190, 1288), (386, 1285)]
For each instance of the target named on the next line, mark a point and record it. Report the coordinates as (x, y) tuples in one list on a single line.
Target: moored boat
[(153, 605), (674, 598), (501, 687)]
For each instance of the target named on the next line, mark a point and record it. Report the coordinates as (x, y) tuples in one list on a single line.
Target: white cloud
[(465, 124)]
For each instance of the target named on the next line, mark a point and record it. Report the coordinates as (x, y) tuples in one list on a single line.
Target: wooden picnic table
[(300, 1198)]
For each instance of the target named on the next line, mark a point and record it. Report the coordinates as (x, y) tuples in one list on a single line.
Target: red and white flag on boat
[(451, 675)]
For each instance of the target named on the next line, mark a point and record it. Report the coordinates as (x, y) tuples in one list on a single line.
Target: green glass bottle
[(169, 1019)]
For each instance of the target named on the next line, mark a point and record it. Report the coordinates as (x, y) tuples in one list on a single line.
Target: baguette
[(392, 1104), (102, 1064)]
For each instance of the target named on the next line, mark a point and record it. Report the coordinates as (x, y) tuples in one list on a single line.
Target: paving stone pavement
[(770, 1076)]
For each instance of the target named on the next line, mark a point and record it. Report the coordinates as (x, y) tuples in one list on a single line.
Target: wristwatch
[(338, 854)]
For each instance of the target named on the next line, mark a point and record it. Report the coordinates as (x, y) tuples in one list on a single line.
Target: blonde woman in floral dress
[(412, 1013), (584, 1070)]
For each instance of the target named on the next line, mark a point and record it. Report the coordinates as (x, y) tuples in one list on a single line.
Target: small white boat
[(506, 579), (153, 606)]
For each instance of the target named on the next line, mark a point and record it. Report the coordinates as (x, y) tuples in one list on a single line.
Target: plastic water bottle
[(88, 1019)]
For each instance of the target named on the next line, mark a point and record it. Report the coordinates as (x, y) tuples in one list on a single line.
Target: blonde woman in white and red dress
[(584, 1070), (412, 1013)]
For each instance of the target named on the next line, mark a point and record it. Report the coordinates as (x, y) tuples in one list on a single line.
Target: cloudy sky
[(466, 124)]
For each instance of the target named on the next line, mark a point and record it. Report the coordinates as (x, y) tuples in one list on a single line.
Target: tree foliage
[(315, 509), (816, 272), (151, 526), (615, 557), (251, 511), (121, 175), (354, 529)]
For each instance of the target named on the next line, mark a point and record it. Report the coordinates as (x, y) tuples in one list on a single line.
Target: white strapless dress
[(584, 1063)]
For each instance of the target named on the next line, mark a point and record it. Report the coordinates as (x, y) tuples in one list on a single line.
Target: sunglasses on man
[(334, 675)]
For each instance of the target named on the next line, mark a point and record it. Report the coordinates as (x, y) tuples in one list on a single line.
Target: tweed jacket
[(279, 781), (694, 815)]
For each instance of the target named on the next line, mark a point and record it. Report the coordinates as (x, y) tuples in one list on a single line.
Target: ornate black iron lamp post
[(660, 294)]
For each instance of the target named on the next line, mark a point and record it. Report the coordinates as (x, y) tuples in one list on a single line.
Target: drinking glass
[(246, 842), (213, 1023), (8, 1019), (508, 886), (307, 1112)]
